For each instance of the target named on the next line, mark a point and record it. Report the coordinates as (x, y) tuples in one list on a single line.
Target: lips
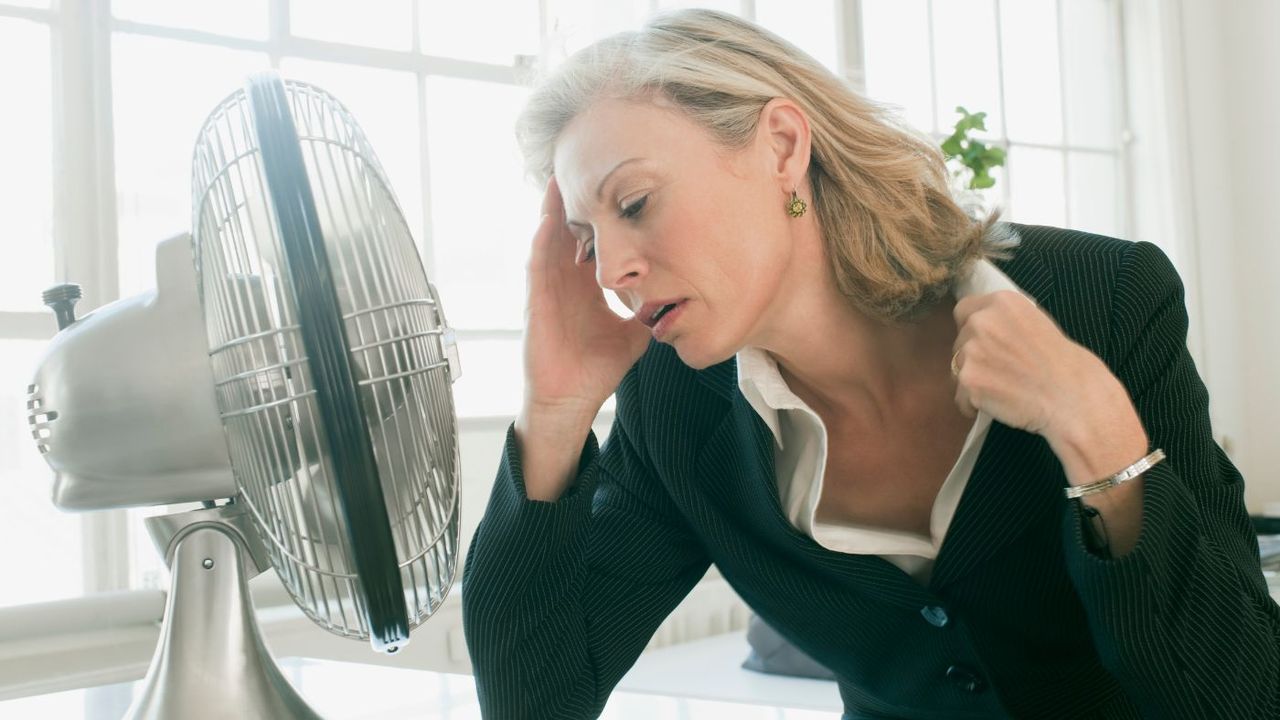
[(648, 309)]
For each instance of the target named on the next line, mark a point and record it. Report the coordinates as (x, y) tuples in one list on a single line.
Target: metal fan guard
[(400, 349)]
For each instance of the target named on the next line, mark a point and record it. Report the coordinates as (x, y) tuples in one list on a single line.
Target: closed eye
[(629, 212), (634, 208)]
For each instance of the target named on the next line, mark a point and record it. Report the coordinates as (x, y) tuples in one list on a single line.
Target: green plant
[(971, 152)]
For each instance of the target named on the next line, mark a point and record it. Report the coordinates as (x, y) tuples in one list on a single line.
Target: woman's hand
[(576, 349), (1017, 366)]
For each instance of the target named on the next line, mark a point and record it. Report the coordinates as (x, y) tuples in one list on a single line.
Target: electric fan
[(294, 363)]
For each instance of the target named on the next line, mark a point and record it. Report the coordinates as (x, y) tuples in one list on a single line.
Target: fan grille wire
[(263, 386)]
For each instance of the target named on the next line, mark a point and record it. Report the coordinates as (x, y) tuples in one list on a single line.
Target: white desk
[(711, 669), (351, 691)]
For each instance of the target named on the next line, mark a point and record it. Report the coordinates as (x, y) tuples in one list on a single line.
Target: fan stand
[(211, 661)]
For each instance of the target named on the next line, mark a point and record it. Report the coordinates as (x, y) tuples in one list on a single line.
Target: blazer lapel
[(1017, 480), (736, 467)]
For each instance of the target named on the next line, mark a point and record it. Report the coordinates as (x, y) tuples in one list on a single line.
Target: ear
[(784, 134)]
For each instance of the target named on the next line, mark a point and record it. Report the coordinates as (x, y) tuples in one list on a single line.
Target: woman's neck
[(846, 364)]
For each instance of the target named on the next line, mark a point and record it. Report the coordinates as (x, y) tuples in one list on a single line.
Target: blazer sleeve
[(560, 598), (1184, 620)]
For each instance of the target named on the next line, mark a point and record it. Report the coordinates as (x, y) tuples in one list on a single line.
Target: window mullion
[(426, 231), (1124, 139), (84, 217), (1062, 107), (933, 71), (1005, 194), (849, 44), (84, 223), (279, 29), (427, 244), (278, 24), (34, 325), (37, 14)]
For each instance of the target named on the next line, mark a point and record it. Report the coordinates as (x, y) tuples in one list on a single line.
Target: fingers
[(552, 241), (536, 268), (552, 203), (1010, 300), (965, 402), (964, 310), (542, 239), (554, 276), (967, 306), (1001, 348), (986, 319)]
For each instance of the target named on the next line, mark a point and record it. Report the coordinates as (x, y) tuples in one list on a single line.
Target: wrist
[(550, 419), (1098, 447)]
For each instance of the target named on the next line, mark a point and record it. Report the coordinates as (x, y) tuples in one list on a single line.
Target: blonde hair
[(896, 237)]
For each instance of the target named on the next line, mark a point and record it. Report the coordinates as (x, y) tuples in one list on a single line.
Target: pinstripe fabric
[(560, 598)]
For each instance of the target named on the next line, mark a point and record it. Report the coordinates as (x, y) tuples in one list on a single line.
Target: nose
[(618, 266)]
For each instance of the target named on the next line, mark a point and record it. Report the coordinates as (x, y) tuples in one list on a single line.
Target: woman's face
[(666, 214)]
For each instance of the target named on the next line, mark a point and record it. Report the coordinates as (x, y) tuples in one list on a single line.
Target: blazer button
[(966, 679), (935, 615)]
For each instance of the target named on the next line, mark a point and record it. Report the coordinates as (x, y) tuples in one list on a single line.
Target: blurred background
[(1143, 119)]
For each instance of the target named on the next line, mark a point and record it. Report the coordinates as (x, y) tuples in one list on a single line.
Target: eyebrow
[(600, 188)]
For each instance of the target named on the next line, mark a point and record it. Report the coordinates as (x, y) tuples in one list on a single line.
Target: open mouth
[(662, 311), (653, 313)]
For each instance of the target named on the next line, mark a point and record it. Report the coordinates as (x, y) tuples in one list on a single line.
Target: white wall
[(1233, 103)]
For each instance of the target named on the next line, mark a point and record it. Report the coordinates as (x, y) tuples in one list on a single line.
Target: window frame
[(856, 74)]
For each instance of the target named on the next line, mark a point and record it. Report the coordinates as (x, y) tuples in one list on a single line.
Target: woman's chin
[(698, 357)]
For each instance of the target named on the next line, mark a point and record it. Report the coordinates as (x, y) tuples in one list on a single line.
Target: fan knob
[(62, 299)]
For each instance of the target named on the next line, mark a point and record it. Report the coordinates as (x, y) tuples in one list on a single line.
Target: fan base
[(211, 661)]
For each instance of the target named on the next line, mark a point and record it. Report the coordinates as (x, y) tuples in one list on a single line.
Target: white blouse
[(801, 456)]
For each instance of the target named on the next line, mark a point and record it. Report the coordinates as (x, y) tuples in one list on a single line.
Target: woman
[(865, 407)]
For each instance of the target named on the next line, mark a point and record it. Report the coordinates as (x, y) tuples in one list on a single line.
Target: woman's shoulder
[(1089, 282), (1082, 261), (1064, 246)]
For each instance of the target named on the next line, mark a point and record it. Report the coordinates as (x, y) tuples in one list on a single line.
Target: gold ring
[(955, 369)]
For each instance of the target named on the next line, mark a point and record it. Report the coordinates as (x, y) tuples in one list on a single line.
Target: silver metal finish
[(211, 662), (122, 403), (403, 354), (165, 530)]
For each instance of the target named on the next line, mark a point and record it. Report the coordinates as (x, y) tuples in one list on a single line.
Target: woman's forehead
[(613, 130), (617, 126)]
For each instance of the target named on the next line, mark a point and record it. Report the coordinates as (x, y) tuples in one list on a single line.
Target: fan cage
[(264, 388)]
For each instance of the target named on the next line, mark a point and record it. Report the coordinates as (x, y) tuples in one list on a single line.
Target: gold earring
[(796, 207)]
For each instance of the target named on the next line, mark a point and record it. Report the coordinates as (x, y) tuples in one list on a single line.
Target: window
[(437, 91), (26, 187), (1046, 72), (45, 544), (162, 89)]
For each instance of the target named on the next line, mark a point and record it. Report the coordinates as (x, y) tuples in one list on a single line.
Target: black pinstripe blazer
[(1019, 619)]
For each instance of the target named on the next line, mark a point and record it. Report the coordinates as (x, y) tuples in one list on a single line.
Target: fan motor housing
[(142, 358)]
